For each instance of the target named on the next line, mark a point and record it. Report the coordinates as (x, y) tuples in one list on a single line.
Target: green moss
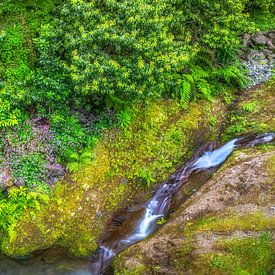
[(127, 163), (254, 112), (256, 221), (270, 166), (243, 256), (137, 270)]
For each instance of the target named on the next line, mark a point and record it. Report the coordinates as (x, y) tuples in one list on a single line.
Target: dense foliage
[(70, 69), (114, 51), (75, 54)]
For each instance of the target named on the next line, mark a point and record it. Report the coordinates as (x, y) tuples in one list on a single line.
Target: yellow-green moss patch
[(127, 163), (256, 221)]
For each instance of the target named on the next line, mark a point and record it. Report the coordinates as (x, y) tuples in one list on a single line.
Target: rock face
[(259, 56), (260, 39), (5, 179), (243, 187), (235, 207)]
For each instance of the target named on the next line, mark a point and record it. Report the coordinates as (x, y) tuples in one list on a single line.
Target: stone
[(270, 45), (247, 40), (56, 172), (271, 36), (260, 39), (5, 179)]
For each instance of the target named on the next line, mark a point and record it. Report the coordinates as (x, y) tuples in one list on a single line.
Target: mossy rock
[(127, 163)]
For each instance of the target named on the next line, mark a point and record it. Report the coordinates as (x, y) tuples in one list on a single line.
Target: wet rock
[(166, 248)]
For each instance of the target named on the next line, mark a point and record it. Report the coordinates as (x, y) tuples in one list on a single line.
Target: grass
[(252, 255)]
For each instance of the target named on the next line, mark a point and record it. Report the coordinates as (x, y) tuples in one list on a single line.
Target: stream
[(132, 225)]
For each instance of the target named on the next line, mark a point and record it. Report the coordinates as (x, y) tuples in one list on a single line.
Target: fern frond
[(185, 95), (205, 57), (205, 89), (199, 73)]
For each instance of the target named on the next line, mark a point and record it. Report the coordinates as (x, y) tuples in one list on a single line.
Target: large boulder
[(235, 204)]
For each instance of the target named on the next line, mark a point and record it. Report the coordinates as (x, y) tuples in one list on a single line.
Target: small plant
[(161, 221), (77, 160), (213, 121), (146, 176), (250, 106), (216, 262), (124, 119)]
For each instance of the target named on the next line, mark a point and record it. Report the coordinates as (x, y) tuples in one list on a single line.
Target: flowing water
[(158, 206), (133, 225)]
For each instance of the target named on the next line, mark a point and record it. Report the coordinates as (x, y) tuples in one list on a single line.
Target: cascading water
[(135, 224), (159, 204)]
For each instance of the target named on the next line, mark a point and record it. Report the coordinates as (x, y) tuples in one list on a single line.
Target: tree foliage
[(92, 54), (98, 51)]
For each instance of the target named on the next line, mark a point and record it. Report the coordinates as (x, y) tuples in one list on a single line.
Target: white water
[(215, 158), (159, 204)]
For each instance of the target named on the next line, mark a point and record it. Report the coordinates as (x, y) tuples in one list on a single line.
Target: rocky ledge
[(258, 56), (226, 226)]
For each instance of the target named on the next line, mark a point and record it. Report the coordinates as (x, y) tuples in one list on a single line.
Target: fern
[(204, 57), (205, 89), (199, 73), (185, 95)]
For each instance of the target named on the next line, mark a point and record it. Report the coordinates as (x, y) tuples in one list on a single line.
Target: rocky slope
[(159, 138), (226, 226), (236, 204)]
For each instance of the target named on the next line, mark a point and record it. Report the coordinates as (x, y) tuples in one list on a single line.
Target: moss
[(127, 162), (254, 112), (137, 270), (270, 167), (240, 256), (183, 256), (256, 221)]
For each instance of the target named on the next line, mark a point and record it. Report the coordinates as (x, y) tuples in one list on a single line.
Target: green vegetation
[(159, 137), (244, 256), (253, 112), (256, 221), (116, 92), (82, 65)]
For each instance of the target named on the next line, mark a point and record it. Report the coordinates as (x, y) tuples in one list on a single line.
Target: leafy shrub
[(112, 51), (31, 168), (261, 7), (14, 203), (109, 49)]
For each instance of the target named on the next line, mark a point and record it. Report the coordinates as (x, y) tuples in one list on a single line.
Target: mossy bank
[(226, 226), (160, 137)]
